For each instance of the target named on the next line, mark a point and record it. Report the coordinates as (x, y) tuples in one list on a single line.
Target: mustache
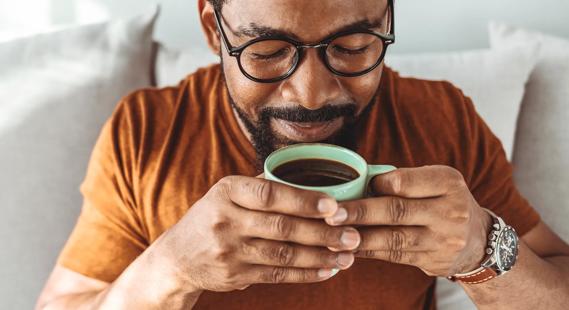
[(303, 115)]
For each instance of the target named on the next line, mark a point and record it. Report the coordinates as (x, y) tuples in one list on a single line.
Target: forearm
[(533, 283), (145, 284)]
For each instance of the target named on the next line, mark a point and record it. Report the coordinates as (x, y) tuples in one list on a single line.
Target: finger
[(387, 210), (423, 182), (396, 257), (267, 274), (263, 195), (302, 231), (285, 254), (412, 239)]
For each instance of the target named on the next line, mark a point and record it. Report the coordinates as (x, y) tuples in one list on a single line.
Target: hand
[(249, 230), (426, 217)]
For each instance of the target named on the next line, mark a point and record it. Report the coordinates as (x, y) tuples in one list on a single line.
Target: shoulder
[(145, 120), (428, 100), (159, 104), (434, 117)]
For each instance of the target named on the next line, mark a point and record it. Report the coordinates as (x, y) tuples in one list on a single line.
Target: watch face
[(507, 249)]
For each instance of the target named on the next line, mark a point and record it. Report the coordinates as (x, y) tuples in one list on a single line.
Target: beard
[(265, 140)]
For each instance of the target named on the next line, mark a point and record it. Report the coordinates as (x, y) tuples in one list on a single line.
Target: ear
[(207, 20)]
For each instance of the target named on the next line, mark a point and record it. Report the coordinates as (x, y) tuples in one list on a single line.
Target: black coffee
[(315, 172)]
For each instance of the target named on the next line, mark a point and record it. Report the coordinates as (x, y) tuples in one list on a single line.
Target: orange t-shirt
[(164, 148)]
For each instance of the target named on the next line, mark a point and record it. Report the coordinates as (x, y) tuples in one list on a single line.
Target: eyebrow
[(254, 30)]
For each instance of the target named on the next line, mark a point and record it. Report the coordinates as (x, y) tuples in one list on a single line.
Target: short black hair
[(217, 4)]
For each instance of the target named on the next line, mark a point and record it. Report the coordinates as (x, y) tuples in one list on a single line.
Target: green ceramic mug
[(351, 190)]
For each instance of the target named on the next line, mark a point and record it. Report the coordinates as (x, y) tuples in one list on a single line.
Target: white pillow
[(493, 79), (542, 143), (172, 65), (56, 91)]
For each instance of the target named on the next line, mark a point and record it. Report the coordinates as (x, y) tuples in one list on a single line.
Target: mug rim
[(332, 187)]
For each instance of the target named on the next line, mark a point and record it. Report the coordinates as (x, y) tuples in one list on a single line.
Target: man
[(176, 215)]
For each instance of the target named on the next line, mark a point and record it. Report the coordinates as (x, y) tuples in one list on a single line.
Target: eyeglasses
[(272, 59)]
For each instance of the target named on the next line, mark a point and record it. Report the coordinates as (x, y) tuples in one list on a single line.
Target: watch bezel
[(498, 250)]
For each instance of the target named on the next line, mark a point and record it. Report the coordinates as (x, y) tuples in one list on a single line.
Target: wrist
[(150, 282), (502, 253), (162, 260), (479, 248)]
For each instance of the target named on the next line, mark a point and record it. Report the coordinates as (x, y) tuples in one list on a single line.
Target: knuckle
[(282, 225), (413, 240), (397, 181), (458, 214), (220, 223), (277, 275), (397, 209), (285, 254), (306, 276), (329, 259), (396, 241), (396, 256), (330, 236), (360, 213), (455, 243), (223, 186), (455, 177), (263, 191), (221, 253), (229, 276), (368, 253)]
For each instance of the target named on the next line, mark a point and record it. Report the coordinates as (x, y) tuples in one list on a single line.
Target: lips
[(307, 132)]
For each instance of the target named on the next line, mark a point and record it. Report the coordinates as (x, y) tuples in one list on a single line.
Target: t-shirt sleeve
[(108, 235), (489, 175)]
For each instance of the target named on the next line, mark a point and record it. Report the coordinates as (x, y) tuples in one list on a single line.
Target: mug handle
[(375, 170)]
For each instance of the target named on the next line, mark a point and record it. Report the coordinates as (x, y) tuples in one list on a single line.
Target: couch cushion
[(541, 153), (56, 91), (494, 79)]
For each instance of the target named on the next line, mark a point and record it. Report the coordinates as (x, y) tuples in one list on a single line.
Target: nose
[(312, 85)]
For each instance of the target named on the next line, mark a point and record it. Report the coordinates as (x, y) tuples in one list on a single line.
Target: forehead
[(309, 20)]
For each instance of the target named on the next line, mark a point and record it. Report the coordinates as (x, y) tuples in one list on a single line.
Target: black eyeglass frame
[(386, 39)]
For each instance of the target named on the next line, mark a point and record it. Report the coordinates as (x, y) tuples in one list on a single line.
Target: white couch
[(54, 98)]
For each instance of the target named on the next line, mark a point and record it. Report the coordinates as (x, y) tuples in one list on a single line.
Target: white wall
[(433, 25)]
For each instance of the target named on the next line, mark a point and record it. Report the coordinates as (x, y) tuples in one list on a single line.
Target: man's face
[(313, 104)]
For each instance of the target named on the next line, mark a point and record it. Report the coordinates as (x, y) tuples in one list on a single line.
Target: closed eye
[(274, 55), (350, 51)]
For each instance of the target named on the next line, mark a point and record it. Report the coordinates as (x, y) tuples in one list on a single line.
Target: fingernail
[(345, 259), (350, 238), (327, 273), (327, 205), (340, 216)]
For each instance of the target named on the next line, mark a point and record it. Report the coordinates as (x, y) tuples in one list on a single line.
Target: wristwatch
[(502, 253)]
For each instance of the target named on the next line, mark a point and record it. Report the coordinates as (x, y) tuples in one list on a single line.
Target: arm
[(428, 218), (244, 231), (539, 280), (143, 285)]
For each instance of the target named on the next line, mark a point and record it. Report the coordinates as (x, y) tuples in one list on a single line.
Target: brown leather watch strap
[(479, 275)]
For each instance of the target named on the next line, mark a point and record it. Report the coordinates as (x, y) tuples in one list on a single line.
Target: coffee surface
[(315, 172)]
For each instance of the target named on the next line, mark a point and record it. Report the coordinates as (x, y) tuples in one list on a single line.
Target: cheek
[(363, 88), (248, 95)]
